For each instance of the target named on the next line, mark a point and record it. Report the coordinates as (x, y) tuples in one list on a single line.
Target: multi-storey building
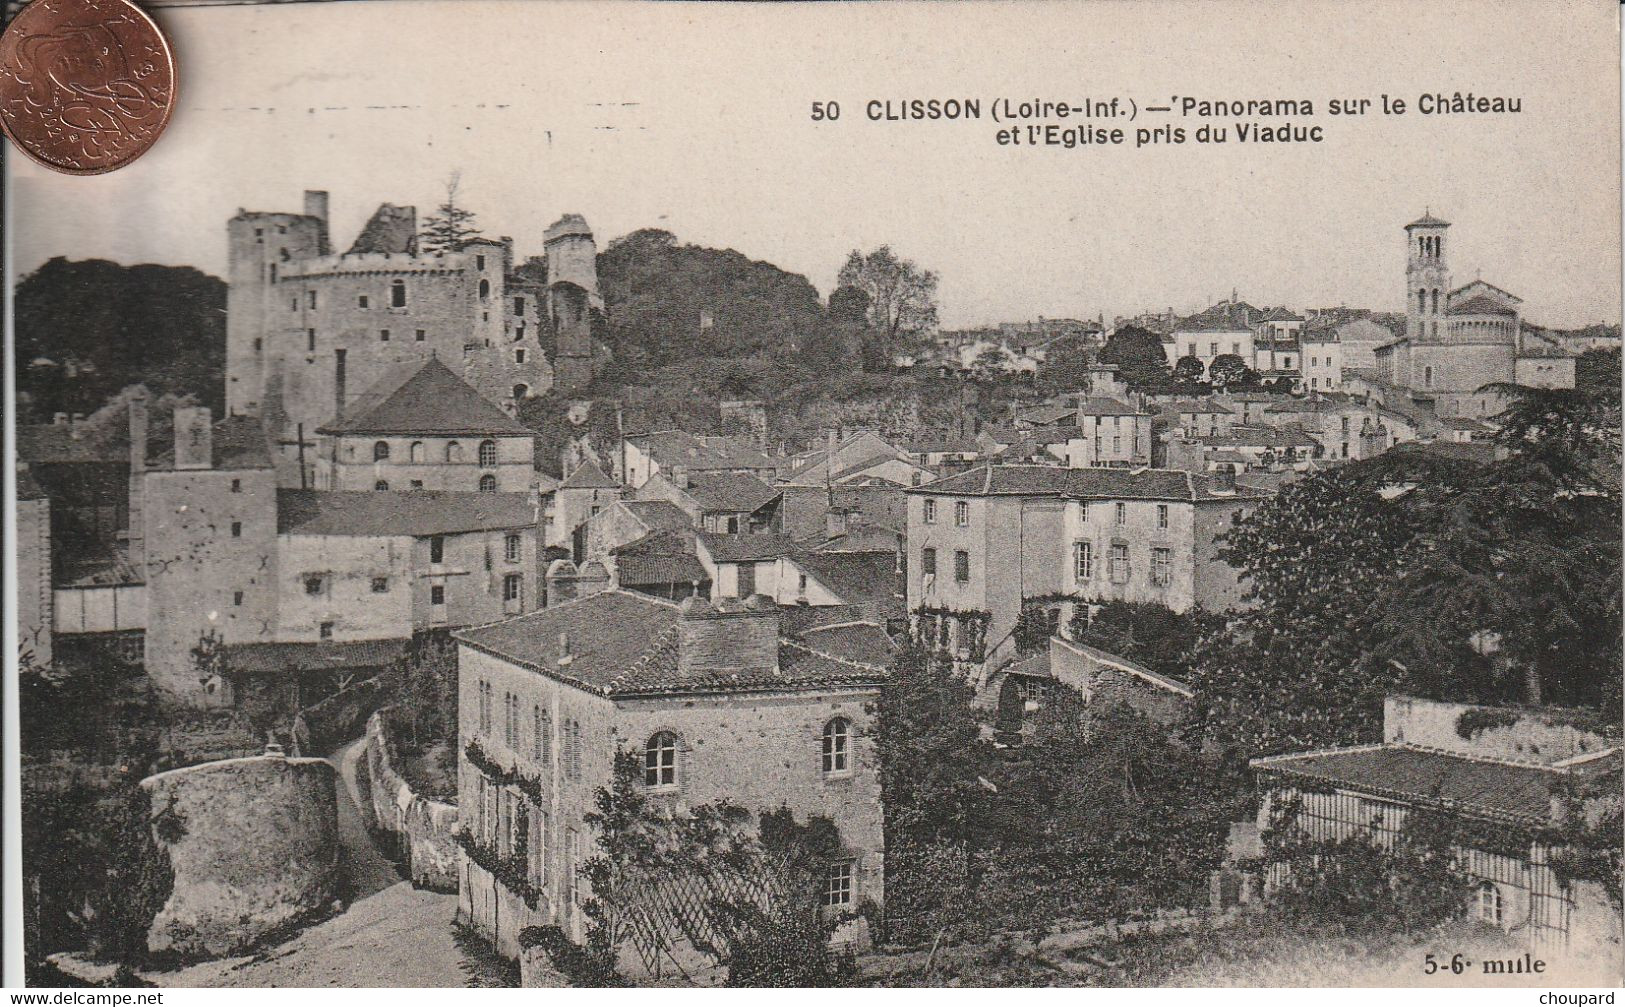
[(715, 703), (984, 543)]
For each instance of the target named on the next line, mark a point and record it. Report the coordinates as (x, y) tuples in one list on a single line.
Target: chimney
[(194, 438), (678, 474), (316, 206), (138, 432), (728, 635), (1224, 481), (565, 657), (836, 522), (339, 380)]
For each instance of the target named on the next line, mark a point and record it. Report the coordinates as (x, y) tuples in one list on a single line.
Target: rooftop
[(287, 658), (417, 513), (430, 401), (1479, 304), (697, 453), (659, 515), (588, 476), (1084, 483), (744, 547), (625, 644), (730, 491), (237, 442), (1427, 219), (856, 577)]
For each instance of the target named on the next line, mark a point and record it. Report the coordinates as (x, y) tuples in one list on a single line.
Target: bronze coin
[(86, 86)]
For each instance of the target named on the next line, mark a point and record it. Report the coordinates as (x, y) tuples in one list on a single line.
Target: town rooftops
[(943, 445), (588, 476), (73, 444), (1497, 790), (1083, 484), (1290, 436), (431, 402), (697, 453), (1280, 314), (659, 515), (1427, 219), (730, 492), (867, 642), (665, 556), (1100, 405), (620, 644), (1479, 304), (1047, 415), (418, 513), (287, 658), (744, 547), (1183, 406), (1226, 316), (857, 577)]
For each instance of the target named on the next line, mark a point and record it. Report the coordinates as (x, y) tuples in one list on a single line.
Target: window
[(1119, 563), (928, 562), (518, 358), (437, 548), (310, 298), (541, 742), (258, 344), (838, 884), (510, 548), (962, 566), (488, 454), (271, 272), (479, 262), (518, 305), (380, 451), (236, 485), (417, 484), (1162, 515), (1162, 566), (1490, 909), (1212, 349), (1427, 377), (420, 335), (397, 294), (380, 585), (1122, 513), (485, 285), (437, 594), (747, 579), (310, 340), (511, 587), (313, 583), (454, 452), (415, 452), (485, 708), (837, 747), (961, 513), (236, 529), (572, 751), (511, 734), (237, 598), (361, 301), (801, 584), (293, 303), (325, 631), (488, 484), (381, 485), (1117, 444), (660, 761), (383, 335), (1083, 560)]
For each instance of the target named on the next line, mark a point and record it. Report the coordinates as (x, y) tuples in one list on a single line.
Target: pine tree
[(450, 226)]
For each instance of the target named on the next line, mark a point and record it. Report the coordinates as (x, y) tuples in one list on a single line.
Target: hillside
[(86, 329)]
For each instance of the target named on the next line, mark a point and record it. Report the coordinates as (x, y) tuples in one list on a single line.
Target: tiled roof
[(864, 642), (1123, 664), (1482, 788), (54, 444), (658, 558), (280, 658), (1100, 405), (1084, 483), (1280, 314), (853, 471), (433, 402), (1426, 220), (625, 644), (659, 515), (588, 476), (1480, 304), (1197, 406), (1253, 437), (730, 491), (1046, 415), (358, 513), (238, 443), (697, 453), (965, 445), (856, 576), (1221, 317), (744, 547)]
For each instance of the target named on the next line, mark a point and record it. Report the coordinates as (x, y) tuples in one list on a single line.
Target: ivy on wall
[(511, 872), (530, 786), (972, 625)]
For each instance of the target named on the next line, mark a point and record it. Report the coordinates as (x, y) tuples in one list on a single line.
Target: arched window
[(454, 452), (520, 391), (382, 484), (488, 484), (838, 747), (485, 290), (660, 761), (417, 451), (488, 454), (380, 451), (397, 294)]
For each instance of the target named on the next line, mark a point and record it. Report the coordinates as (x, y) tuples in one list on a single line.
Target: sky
[(697, 119)]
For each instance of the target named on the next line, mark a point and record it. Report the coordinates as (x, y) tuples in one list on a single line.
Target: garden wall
[(254, 847), (340, 717), (424, 831)]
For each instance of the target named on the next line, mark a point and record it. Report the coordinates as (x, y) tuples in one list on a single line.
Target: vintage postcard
[(862, 495)]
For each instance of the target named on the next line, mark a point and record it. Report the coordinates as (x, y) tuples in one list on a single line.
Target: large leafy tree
[(1228, 370), (902, 295), (1138, 355)]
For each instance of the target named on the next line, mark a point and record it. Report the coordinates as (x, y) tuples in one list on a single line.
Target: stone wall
[(256, 852), (340, 717), (424, 829)]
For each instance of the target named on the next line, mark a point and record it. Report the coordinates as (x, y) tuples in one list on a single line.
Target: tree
[(1138, 355), (1065, 367), (902, 296), (451, 225), (1228, 370), (1156, 636), (1189, 370)]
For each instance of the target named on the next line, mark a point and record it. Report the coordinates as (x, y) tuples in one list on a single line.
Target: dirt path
[(366, 871)]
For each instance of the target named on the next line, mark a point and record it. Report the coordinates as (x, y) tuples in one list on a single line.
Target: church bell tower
[(1427, 278)]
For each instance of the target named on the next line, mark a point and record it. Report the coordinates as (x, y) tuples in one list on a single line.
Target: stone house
[(1505, 774), (582, 495), (726, 502), (644, 456), (714, 701), (985, 543)]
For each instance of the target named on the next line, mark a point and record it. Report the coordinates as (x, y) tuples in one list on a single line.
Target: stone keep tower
[(260, 246), (572, 294), (1427, 279)]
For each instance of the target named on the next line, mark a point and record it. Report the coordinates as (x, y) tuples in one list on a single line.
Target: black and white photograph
[(515, 494)]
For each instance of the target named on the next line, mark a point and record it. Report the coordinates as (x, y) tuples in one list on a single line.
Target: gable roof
[(865, 642), (588, 476), (626, 644), (1427, 219), (363, 514), (1101, 405), (432, 402), (1479, 304), (1226, 316), (744, 547), (730, 491), (855, 576), (699, 453), (659, 515), (1196, 406)]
